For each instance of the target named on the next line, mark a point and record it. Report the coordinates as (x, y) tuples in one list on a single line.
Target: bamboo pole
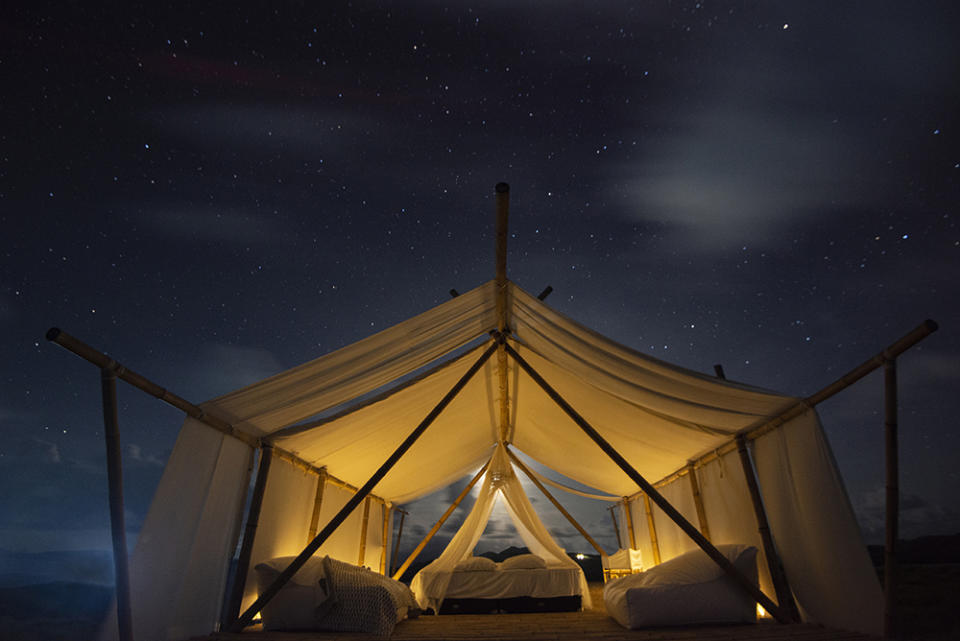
[(764, 425), (654, 544), (502, 199), (296, 461), (384, 536), (317, 504), (890, 569), (629, 517), (698, 502), (616, 526), (774, 564), (354, 501), (103, 361), (111, 433), (396, 543), (436, 526), (363, 530), (748, 586), (249, 533), (556, 504)]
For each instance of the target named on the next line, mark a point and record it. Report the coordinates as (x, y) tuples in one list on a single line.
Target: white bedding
[(507, 584)]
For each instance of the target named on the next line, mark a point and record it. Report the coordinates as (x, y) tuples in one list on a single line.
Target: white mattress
[(506, 584)]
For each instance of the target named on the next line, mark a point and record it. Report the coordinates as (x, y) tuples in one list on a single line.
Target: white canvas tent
[(325, 428), (656, 415)]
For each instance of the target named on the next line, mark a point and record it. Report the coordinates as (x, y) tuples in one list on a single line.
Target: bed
[(522, 583), (327, 594)]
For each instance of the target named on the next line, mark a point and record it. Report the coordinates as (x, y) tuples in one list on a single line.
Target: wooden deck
[(556, 626)]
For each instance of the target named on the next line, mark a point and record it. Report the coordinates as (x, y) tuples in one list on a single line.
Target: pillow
[(364, 600), (523, 562), (302, 602), (476, 564)]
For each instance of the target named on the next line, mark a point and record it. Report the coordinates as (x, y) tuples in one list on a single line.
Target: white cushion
[(476, 564), (523, 562), (688, 589)]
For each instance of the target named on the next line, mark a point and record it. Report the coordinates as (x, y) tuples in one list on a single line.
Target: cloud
[(134, 452), (50, 452), (918, 516), (220, 226), (223, 368)]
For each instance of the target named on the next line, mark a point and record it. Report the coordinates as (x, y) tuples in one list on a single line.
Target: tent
[(658, 416), (492, 366)]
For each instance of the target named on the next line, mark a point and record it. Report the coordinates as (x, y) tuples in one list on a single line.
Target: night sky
[(213, 195)]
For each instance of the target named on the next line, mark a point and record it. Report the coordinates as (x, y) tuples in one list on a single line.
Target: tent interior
[(331, 422)]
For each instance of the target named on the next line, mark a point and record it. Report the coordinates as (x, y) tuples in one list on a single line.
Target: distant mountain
[(82, 566), (926, 549)]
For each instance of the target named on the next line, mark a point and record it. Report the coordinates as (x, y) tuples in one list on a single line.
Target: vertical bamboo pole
[(653, 530), (396, 543), (893, 499), (384, 538), (748, 586), (502, 200), (616, 526), (698, 501), (629, 517), (249, 533), (775, 566), (338, 519), (111, 432), (363, 530), (436, 526), (317, 504)]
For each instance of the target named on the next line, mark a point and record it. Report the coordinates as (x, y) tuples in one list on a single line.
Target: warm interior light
[(761, 613), (581, 556)]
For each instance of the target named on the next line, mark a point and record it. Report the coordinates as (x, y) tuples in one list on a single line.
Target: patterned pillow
[(523, 562), (364, 601), (476, 564)]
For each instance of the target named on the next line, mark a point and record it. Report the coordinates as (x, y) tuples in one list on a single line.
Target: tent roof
[(656, 414)]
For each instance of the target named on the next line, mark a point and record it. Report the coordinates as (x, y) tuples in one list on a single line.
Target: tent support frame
[(654, 543), (718, 558), (249, 533), (111, 432), (502, 203), (361, 494), (364, 525), (698, 501), (780, 584), (629, 517), (890, 569), (439, 524), (396, 542), (384, 534), (556, 504), (317, 504)]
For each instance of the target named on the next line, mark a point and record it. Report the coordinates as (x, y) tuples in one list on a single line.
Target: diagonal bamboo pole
[(655, 496), (556, 504), (249, 533), (439, 524), (361, 494), (774, 565)]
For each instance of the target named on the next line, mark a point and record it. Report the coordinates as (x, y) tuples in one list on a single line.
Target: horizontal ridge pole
[(705, 545), (103, 361), (361, 494), (764, 425)]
